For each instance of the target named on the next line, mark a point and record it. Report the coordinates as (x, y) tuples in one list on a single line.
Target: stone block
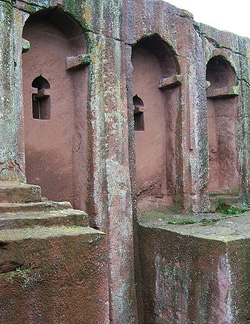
[(224, 92), (33, 206), (19, 193), (64, 217), (53, 275), (170, 82), (77, 61), (196, 273), (25, 45)]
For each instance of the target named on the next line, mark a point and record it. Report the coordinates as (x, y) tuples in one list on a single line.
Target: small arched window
[(41, 99), (138, 113)]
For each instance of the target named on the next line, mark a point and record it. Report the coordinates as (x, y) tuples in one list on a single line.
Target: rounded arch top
[(60, 19), (56, 21), (137, 101), (40, 83), (220, 73), (164, 53)]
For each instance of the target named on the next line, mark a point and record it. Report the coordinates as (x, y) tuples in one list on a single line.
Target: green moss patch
[(225, 208)]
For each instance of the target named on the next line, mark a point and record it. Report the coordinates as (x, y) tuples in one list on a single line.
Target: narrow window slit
[(138, 114), (41, 99)]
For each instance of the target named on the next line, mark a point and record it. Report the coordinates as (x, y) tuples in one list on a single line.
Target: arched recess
[(55, 83), (222, 101), (156, 93)]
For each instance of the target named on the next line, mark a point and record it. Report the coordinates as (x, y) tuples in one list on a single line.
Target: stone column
[(243, 118), (112, 202), (195, 96), (11, 120)]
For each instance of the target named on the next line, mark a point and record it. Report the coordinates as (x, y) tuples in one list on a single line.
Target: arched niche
[(55, 106), (156, 91), (220, 73), (222, 94)]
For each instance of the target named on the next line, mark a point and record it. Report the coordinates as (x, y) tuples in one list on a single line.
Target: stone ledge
[(217, 227), (34, 206), (224, 92), (19, 193), (77, 61), (67, 217), (170, 82), (43, 232)]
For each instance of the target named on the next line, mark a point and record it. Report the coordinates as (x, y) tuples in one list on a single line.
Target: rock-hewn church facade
[(113, 109)]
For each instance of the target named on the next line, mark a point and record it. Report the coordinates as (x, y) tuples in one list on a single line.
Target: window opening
[(41, 99), (138, 114)]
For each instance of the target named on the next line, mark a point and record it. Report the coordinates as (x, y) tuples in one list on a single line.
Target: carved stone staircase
[(227, 198), (22, 206), (47, 249)]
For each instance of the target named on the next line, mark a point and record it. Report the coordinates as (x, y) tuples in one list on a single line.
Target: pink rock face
[(155, 117), (55, 110)]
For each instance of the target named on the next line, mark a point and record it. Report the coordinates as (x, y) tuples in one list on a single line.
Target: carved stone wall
[(105, 167)]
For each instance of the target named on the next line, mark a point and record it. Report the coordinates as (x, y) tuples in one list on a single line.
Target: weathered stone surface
[(223, 92), (170, 82), (11, 148), (112, 28), (38, 206), (19, 193), (49, 259), (197, 273), (77, 61), (63, 217), (111, 179), (53, 275)]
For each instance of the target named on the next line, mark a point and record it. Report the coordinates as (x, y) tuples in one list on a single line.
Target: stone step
[(43, 232), (19, 193), (65, 217), (33, 206), (227, 199)]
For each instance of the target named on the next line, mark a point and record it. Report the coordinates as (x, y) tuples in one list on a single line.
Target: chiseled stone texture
[(10, 193), (53, 275), (197, 273), (11, 136), (111, 178)]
